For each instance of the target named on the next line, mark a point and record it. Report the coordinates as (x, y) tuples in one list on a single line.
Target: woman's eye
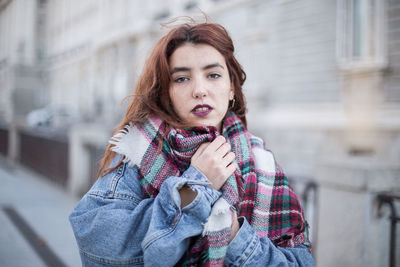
[(214, 75), (180, 79)]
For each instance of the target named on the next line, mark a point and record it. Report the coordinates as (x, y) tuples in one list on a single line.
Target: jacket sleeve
[(247, 249), (114, 225)]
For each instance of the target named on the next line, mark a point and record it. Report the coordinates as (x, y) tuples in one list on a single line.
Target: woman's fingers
[(223, 150), (216, 161), (229, 157), (200, 150), (231, 168), (216, 144)]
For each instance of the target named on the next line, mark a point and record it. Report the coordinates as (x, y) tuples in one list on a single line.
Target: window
[(361, 38)]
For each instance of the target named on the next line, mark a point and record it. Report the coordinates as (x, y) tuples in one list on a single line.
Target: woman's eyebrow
[(213, 65), (209, 66), (178, 69)]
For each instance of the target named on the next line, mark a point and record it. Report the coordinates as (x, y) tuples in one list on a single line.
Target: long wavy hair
[(151, 94)]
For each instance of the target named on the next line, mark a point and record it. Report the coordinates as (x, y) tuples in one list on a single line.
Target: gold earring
[(232, 104)]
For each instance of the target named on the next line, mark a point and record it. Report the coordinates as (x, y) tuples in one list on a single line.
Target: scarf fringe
[(123, 141), (219, 219)]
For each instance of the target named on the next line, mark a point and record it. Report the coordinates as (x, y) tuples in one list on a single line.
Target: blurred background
[(323, 90)]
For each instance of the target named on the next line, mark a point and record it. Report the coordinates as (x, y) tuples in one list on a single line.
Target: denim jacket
[(115, 226)]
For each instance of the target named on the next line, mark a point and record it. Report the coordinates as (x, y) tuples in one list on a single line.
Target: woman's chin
[(204, 124)]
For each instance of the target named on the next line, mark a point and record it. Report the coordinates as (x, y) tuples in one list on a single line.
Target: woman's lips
[(201, 110)]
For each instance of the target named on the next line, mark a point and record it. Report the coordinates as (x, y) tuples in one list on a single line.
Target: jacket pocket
[(89, 259)]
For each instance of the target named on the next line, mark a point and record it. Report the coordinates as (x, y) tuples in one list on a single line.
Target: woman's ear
[(231, 95)]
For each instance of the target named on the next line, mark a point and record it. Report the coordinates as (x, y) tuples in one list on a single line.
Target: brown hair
[(151, 95)]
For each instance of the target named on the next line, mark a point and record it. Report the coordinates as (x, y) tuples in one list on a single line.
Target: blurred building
[(323, 90)]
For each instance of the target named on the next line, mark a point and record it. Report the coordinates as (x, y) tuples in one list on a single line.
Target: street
[(34, 218)]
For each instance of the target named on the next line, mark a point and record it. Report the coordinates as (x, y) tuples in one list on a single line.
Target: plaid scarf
[(258, 189)]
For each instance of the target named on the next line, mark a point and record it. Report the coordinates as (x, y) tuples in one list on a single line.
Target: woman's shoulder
[(122, 183), (255, 141), (263, 157)]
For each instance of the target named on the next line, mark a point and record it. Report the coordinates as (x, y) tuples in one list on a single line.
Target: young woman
[(183, 183)]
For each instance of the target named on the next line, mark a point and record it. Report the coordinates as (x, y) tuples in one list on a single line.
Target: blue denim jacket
[(115, 226)]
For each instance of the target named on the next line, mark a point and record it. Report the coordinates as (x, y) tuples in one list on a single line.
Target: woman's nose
[(199, 90)]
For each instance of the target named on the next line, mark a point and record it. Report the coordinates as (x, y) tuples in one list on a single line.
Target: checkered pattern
[(258, 190)]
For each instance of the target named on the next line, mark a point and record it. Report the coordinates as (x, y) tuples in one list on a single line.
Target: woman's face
[(200, 87)]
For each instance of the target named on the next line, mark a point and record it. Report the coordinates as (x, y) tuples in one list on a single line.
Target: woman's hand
[(215, 161)]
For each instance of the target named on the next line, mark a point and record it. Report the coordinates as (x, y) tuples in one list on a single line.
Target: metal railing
[(45, 153), (307, 190), (389, 198), (3, 141)]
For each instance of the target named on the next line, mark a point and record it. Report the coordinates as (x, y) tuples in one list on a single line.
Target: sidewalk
[(34, 208)]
